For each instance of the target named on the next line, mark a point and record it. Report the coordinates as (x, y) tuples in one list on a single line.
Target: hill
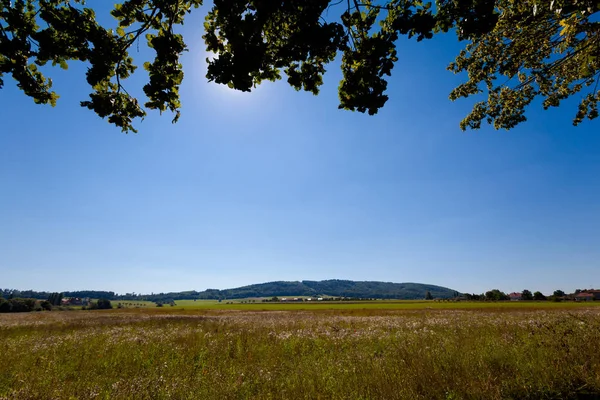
[(338, 288), (333, 287)]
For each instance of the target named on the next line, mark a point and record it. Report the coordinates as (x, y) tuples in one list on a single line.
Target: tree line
[(43, 295), (332, 287), (17, 304), (12, 300), (527, 295), (54, 301)]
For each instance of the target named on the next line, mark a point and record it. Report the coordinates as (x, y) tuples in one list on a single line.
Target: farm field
[(373, 305), (428, 352)]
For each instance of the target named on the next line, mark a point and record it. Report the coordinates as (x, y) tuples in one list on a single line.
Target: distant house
[(595, 293), (584, 296), (74, 301), (514, 296)]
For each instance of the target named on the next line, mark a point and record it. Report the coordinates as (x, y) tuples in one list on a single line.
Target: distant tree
[(539, 296), (55, 298), (104, 304), (559, 293), (46, 305), (526, 295), (94, 294), (496, 295), (22, 305), (474, 296), (428, 296), (5, 305)]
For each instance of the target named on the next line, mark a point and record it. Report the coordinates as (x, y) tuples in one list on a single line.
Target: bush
[(17, 305), (539, 296), (5, 306), (22, 305), (104, 304)]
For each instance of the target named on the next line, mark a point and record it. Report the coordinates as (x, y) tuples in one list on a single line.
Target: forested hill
[(334, 287), (340, 288)]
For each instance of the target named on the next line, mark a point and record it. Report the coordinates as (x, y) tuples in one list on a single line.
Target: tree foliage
[(539, 296), (36, 32), (496, 295), (104, 304), (515, 50), (55, 299), (526, 295), (17, 304)]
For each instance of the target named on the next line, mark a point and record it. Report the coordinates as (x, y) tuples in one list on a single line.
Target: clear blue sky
[(280, 185)]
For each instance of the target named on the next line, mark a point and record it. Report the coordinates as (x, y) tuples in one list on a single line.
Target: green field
[(369, 305), (371, 350)]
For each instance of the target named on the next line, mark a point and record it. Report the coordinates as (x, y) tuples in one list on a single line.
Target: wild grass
[(331, 354)]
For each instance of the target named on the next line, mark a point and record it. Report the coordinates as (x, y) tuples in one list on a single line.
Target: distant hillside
[(333, 287), (336, 288)]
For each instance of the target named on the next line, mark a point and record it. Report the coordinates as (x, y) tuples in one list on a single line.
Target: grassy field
[(407, 350), (369, 305)]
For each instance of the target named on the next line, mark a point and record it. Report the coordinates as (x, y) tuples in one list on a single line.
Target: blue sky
[(280, 185)]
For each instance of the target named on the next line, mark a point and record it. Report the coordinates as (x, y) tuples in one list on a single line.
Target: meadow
[(257, 305), (405, 350)]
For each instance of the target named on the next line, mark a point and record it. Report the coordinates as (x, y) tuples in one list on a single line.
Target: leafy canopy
[(515, 50)]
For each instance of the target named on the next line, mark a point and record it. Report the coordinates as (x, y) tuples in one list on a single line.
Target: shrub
[(5, 306), (104, 304), (22, 305)]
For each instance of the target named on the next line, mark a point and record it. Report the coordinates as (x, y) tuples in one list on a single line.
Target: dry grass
[(374, 354)]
